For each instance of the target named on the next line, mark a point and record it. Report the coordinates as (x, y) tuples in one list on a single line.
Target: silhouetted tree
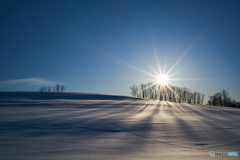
[(222, 99), (43, 89), (134, 90), (143, 90), (56, 88), (225, 95), (49, 89), (62, 88), (202, 100), (150, 90), (167, 93)]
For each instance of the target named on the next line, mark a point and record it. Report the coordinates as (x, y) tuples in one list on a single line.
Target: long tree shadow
[(108, 124), (208, 136)]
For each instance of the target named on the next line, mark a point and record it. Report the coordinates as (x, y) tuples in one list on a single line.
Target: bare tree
[(153, 88), (150, 91), (160, 92), (218, 99), (62, 88), (186, 92), (165, 93), (174, 96), (134, 90), (168, 93), (222, 98), (210, 101), (202, 100), (195, 97), (49, 89), (42, 89), (225, 95), (189, 98), (58, 87), (143, 90), (198, 98), (155, 93)]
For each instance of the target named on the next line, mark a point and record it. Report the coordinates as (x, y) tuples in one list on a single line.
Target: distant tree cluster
[(56, 88), (222, 99), (167, 93)]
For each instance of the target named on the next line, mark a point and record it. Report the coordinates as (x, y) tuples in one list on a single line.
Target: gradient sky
[(88, 45)]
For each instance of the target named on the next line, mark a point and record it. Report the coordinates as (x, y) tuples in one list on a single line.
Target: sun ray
[(108, 54), (165, 92), (165, 65), (162, 87), (185, 79), (192, 44), (160, 92), (156, 56), (171, 83), (151, 67), (137, 68), (149, 86), (180, 70), (154, 89), (174, 65), (158, 63), (148, 80)]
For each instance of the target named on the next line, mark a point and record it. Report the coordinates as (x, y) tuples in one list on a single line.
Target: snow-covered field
[(93, 126)]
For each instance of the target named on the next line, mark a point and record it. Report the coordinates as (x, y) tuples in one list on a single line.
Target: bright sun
[(162, 80)]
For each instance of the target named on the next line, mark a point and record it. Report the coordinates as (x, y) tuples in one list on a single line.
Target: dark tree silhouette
[(143, 90), (222, 99), (62, 88), (225, 95), (56, 88), (167, 93), (202, 99), (43, 89), (134, 90), (49, 89)]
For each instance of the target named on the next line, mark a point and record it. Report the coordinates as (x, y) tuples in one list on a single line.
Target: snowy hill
[(36, 125)]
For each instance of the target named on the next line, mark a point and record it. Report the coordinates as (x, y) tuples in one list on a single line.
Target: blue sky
[(87, 45)]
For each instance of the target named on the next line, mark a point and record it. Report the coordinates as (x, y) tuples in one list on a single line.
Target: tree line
[(223, 99), (167, 93), (56, 88)]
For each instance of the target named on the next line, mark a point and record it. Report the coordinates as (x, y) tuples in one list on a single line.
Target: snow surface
[(70, 126)]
